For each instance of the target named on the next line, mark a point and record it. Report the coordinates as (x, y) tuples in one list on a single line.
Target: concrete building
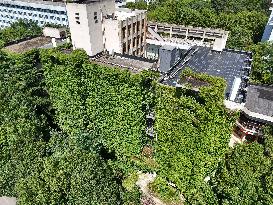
[(39, 11), (256, 112), (125, 32), (182, 37), (268, 31), (58, 33), (96, 26)]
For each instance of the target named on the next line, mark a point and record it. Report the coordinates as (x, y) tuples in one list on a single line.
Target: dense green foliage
[(19, 30), (243, 18), (262, 66), (73, 132), (24, 128), (245, 175), (38, 162), (106, 103), (193, 130), (70, 177)]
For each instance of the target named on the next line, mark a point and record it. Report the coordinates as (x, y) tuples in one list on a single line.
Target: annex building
[(97, 26), (39, 11)]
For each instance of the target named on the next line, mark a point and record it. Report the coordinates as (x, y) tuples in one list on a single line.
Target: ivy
[(192, 133)]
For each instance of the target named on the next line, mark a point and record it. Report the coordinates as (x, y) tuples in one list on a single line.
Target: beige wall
[(112, 36), (126, 35), (134, 35), (80, 36), (88, 34)]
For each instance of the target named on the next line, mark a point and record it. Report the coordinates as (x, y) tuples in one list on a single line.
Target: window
[(77, 17), (96, 17), (123, 32)]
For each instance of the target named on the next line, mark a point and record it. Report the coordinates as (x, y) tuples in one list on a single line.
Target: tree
[(70, 177), (193, 130), (243, 177), (262, 66)]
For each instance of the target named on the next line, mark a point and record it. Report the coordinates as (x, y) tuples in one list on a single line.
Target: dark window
[(77, 17)]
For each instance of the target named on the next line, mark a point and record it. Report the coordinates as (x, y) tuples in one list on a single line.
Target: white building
[(39, 11), (268, 31), (96, 26)]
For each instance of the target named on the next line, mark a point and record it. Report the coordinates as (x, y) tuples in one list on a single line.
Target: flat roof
[(27, 45), (124, 13), (132, 63)]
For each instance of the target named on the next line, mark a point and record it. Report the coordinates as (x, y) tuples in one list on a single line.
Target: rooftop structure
[(231, 65), (259, 103), (38, 42), (29, 44), (41, 12), (7, 200), (96, 26), (132, 63), (214, 38)]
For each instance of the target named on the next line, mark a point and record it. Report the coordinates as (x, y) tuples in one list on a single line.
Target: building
[(125, 32), (232, 65), (268, 31), (96, 26), (58, 33), (257, 111), (182, 37), (39, 11)]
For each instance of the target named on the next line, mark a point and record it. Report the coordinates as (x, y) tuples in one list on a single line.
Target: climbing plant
[(193, 130)]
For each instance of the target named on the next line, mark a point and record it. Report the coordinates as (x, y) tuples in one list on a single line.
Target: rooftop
[(7, 200), (259, 103), (29, 44), (124, 13), (227, 64), (131, 63)]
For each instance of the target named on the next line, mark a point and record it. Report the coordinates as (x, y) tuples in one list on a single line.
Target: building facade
[(41, 12), (125, 32), (268, 30), (96, 26)]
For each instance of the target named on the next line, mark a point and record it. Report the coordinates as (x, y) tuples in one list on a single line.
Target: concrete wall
[(86, 30), (133, 34), (112, 36), (54, 32), (85, 22)]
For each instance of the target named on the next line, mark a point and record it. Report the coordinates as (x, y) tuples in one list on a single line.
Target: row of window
[(77, 17), (29, 14), (33, 16), (32, 8)]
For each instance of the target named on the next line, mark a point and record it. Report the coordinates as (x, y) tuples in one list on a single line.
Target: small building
[(58, 33), (168, 57), (258, 111)]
